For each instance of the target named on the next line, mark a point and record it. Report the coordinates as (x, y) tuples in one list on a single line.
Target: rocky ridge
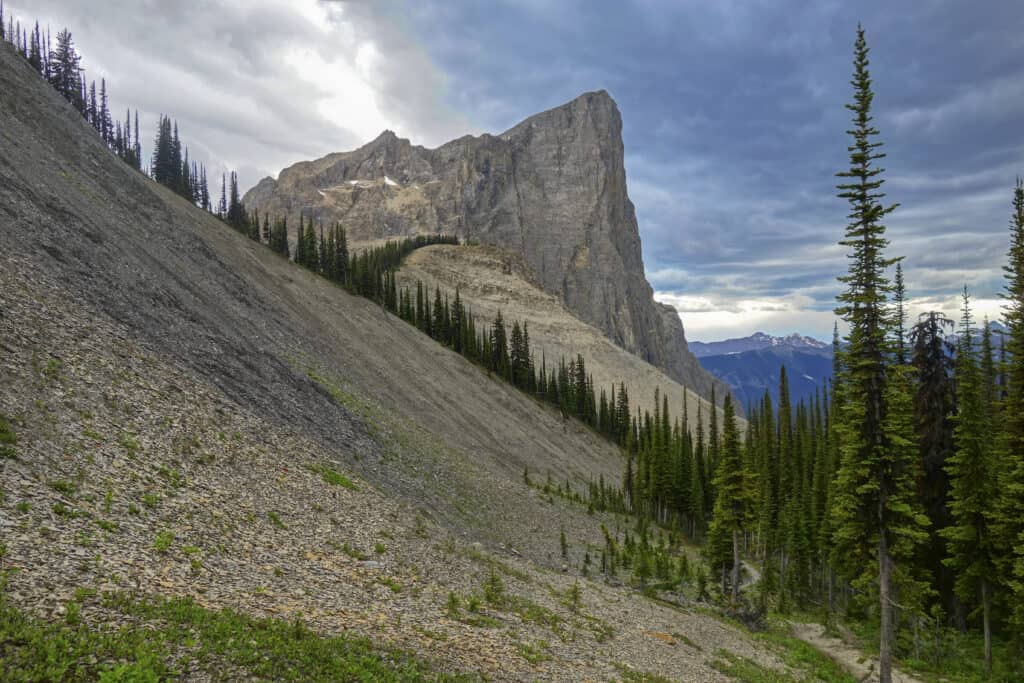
[(551, 190)]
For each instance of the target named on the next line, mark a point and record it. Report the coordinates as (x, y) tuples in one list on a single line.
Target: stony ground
[(131, 475)]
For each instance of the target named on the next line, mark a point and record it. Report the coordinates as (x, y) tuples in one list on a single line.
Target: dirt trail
[(864, 667)]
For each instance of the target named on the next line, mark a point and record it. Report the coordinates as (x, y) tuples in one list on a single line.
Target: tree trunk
[(886, 631), (986, 605), (735, 566), (831, 599)]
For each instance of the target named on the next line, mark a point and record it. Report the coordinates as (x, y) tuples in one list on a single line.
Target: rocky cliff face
[(552, 189)]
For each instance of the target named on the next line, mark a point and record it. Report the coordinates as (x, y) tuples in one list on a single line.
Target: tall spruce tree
[(735, 499), (934, 408), (66, 71), (899, 298), (1008, 519), (874, 516), (973, 486)]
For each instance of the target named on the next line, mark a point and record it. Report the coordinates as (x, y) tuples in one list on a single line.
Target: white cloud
[(260, 84), (706, 319)]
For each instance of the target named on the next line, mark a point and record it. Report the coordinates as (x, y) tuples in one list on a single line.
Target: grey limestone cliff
[(552, 189)]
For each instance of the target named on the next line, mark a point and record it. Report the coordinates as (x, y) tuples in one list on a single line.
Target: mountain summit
[(550, 190)]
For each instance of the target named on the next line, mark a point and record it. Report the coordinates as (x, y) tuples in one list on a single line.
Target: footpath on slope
[(863, 666)]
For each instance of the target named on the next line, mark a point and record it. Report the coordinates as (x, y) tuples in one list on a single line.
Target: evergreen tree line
[(170, 166), (61, 67), (667, 471), (896, 496), (500, 349)]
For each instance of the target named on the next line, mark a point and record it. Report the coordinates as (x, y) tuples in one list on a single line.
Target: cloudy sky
[(733, 117)]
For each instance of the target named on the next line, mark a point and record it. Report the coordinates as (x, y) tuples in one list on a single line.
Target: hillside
[(490, 280), (193, 416), (550, 191)]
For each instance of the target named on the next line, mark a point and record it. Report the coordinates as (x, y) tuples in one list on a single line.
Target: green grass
[(952, 656), (333, 477), (354, 553), (275, 519), (172, 475), (165, 633), (62, 510), (162, 542), (65, 488), (395, 586), (129, 443), (804, 657), (633, 676), (108, 525), (747, 671), (534, 653)]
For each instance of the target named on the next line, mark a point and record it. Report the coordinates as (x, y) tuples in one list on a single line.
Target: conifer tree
[(35, 51), (1008, 522), (874, 515), (988, 368), (899, 298), (138, 150), (341, 254), (92, 111), (312, 259), (65, 71), (300, 241), (106, 123), (734, 497), (972, 474), (933, 426), (222, 206)]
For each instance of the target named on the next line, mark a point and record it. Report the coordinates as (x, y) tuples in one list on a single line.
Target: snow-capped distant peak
[(797, 339), (758, 340)]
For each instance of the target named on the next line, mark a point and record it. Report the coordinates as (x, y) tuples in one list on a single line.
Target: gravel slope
[(165, 375)]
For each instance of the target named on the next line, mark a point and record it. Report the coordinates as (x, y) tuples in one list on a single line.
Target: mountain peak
[(551, 190), (595, 110)]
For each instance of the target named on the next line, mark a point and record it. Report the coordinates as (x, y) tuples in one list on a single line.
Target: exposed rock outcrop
[(552, 189)]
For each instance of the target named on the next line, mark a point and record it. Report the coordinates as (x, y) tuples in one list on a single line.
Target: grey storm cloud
[(733, 117), (734, 125)]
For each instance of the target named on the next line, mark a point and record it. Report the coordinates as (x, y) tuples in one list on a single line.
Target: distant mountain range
[(751, 365), (760, 341)]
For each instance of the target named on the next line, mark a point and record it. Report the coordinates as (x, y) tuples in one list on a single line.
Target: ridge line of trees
[(59, 63)]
